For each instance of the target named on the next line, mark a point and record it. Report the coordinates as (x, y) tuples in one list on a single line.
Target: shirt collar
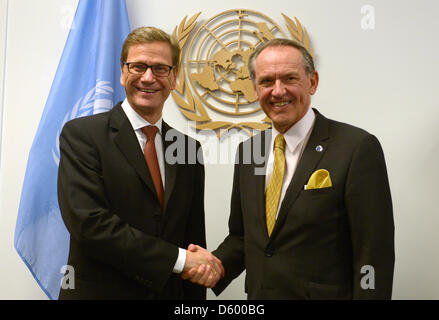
[(137, 122), (297, 133)]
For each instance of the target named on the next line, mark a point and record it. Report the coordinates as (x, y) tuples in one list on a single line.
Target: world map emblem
[(214, 89)]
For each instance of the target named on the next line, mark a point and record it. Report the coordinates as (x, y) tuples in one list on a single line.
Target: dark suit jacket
[(121, 247), (322, 237)]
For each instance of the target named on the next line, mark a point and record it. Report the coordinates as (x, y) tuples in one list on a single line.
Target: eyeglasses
[(159, 70)]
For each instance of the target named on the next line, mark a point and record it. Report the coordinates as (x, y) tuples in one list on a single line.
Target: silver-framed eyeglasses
[(159, 70)]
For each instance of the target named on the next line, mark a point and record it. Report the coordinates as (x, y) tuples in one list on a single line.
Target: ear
[(314, 82), (122, 77), (255, 90), (173, 78)]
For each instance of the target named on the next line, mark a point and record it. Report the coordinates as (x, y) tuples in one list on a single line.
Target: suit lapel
[(260, 153), (307, 165), (127, 142), (170, 169)]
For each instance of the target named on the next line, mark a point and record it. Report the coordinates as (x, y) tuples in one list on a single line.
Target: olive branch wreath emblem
[(96, 100), (192, 108)]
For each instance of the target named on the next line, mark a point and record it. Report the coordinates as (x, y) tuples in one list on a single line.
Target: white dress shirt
[(296, 138), (137, 122)]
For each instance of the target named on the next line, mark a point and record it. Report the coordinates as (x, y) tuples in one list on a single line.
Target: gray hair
[(308, 61)]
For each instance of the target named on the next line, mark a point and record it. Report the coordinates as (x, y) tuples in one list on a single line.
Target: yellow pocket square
[(319, 179)]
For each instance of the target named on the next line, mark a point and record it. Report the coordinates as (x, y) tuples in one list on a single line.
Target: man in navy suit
[(130, 219), (314, 220)]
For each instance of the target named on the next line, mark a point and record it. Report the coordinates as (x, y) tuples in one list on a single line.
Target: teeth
[(147, 90), (280, 104)]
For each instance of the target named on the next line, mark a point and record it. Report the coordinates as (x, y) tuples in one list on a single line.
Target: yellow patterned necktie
[(272, 196)]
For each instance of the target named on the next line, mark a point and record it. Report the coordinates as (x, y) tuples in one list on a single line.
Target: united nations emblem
[(213, 68), (98, 99)]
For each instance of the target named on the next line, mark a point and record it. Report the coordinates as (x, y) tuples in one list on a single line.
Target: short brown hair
[(308, 61), (147, 35)]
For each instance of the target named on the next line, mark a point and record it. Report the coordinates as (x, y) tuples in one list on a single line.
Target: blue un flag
[(86, 82)]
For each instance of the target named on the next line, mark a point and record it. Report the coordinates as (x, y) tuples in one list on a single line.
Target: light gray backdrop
[(383, 79)]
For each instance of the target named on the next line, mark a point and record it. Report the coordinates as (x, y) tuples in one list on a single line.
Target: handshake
[(202, 267)]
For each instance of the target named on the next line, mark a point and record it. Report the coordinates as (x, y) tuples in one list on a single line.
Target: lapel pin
[(319, 148)]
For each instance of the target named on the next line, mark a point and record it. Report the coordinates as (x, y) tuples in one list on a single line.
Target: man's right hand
[(202, 267)]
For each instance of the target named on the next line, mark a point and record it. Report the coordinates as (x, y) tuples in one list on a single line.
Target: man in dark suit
[(313, 219), (129, 207)]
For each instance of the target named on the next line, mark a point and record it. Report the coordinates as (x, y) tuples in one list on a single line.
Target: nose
[(148, 76), (278, 88)]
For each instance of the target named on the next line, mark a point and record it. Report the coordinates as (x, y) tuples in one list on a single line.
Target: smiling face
[(147, 93), (282, 86)]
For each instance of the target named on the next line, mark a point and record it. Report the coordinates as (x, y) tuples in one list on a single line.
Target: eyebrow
[(286, 75), (292, 73)]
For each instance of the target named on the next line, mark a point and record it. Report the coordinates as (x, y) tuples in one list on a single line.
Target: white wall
[(383, 80), (35, 40), (3, 32)]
